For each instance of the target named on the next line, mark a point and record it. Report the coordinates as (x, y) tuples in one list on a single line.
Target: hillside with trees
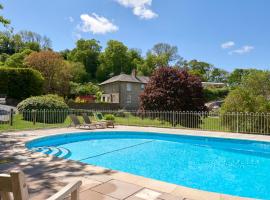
[(89, 63)]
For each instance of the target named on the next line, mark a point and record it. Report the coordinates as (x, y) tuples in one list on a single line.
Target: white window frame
[(142, 86), (129, 87)]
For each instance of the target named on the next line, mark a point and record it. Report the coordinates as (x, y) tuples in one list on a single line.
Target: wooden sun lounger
[(13, 187), (99, 117), (77, 124), (87, 121)]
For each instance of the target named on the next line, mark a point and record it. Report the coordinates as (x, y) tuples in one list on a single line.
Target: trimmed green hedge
[(20, 83), (49, 109)]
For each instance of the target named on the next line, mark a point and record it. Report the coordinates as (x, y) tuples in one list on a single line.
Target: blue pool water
[(236, 167)]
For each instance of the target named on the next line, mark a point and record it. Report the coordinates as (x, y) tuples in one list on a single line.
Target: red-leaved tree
[(172, 89)]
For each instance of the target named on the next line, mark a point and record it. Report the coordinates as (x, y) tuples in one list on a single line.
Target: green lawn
[(209, 123), (20, 124)]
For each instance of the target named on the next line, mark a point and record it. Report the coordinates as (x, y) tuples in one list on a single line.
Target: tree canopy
[(53, 68), (173, 89), (86, 52), (3, 20)]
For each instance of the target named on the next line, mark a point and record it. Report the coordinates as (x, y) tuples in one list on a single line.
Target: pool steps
[(59, 152)]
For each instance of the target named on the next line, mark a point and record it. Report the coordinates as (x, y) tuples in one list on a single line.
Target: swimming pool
[(235, 167)]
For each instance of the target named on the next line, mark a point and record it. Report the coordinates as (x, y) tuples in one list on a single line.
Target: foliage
[(11, 42), (218, 76), (213, 94), (113, 60), (44, 102), (160, 55), (165, 54), (109, 117), (237, 76), (84, 89), (17, 59), (3, 20), (86, 52), (56, 72), (77, 71), (40, 104), (20, 83), (206, 71), (252, 95), (199, 68), (171, 89), (35, 40)]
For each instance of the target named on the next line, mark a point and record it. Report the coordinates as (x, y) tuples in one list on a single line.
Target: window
[(142, 86), (128, 87), (129, 99)]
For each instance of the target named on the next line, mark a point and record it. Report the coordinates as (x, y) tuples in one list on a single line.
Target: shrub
[(45, 109), (109, 117), (171, 89), (20, 83), (215, 93), (251, 96)]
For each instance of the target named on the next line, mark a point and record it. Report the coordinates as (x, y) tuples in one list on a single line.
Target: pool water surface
[(235, 167)]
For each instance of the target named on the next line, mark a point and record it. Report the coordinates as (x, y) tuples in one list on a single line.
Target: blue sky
[(226, 33)]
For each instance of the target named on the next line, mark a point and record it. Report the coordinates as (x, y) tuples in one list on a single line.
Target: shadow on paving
[(45, 175)]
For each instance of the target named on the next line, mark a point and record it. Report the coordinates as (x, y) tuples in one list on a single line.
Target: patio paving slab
[(92, 195), (117, 189)]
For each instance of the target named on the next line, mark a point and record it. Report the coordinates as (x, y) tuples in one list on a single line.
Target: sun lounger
[(99, 117), (77, 124), (87, 121)]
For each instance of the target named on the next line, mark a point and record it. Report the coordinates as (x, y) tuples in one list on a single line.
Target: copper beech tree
[(173, 89)]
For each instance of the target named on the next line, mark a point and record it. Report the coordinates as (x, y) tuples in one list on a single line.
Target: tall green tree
[(114, 60), (165, 54), (11, 42), (136, 60), (35, 41), (199, 68), (162, 54), (86, 52), (237, 76), (218, 75), (3, 20)]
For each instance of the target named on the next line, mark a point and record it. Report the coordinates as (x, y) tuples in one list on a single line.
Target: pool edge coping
[(153, 184)]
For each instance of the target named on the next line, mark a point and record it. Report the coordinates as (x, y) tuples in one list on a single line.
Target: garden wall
[(95, 106)]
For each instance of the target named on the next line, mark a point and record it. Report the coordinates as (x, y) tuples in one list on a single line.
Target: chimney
[(134, 73)]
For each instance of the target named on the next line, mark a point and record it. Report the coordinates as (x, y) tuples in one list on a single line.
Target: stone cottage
[(124, 90)]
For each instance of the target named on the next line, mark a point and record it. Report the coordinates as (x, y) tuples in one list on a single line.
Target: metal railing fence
[(257, 123)]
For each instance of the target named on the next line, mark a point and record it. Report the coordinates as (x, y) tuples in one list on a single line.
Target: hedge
[(215, 94), (49, 109), (20, 83)]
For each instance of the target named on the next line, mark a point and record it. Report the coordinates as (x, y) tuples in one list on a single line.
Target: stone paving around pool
[(46, 175)]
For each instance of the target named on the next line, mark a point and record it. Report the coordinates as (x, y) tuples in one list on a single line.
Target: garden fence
[(257, 123)]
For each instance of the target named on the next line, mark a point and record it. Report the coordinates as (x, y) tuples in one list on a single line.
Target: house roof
[(126, 78)]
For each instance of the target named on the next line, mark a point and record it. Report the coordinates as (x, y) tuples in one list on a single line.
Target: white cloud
[(140, 8), (243, 50), (96, 24), (227, 45), (71, 19)]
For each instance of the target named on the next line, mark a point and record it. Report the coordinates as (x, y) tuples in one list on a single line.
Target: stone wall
[(94, 106)]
